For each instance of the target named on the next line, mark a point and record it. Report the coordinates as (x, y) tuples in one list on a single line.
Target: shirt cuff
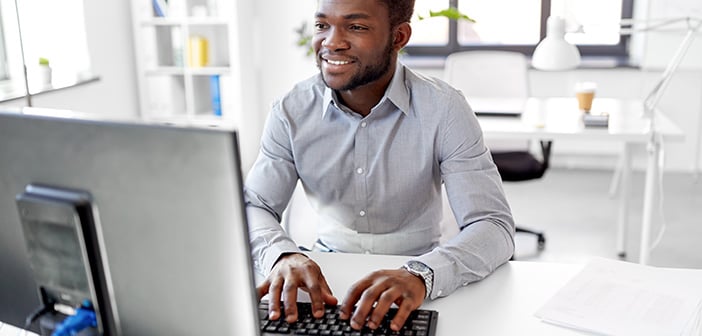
[(461, 261), (273, 253), (268, 239)]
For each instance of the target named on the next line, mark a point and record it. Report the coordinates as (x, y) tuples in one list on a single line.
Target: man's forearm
[(268, 239)]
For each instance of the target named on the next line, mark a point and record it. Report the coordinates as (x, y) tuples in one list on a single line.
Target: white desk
[(502, 304), (559, 118)]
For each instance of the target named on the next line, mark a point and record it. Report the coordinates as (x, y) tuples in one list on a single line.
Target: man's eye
[(357, 27), (320, 26)]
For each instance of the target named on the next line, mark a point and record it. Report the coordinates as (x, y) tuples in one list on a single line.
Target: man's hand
[(293, 271), (383, 288)]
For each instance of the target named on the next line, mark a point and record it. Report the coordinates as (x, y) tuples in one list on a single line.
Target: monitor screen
[(170, 210)]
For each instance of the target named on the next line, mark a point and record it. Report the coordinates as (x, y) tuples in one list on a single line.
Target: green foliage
[(451, 13), (304, 38)]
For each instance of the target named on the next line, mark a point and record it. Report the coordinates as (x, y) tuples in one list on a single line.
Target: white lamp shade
[(554, 53)]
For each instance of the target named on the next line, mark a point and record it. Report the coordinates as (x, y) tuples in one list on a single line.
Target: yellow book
[(197, 52)]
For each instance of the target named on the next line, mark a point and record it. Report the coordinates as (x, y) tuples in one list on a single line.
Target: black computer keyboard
[(420, 323)]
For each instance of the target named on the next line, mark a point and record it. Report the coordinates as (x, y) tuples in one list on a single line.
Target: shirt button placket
[(361, 180)]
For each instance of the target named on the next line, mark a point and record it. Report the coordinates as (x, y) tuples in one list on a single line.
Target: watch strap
[(423, 271)]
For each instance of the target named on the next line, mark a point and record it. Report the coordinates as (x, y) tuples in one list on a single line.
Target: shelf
[(180, 71), (170, 90), (188, 21), (207, 71)]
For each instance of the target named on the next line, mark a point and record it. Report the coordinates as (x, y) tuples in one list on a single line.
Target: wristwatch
[(424, 272)]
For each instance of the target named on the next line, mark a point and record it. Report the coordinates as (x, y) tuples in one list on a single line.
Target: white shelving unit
[(174, 85)]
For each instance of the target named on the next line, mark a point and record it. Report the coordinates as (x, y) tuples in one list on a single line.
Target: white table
[(559, 118), (502, 304)]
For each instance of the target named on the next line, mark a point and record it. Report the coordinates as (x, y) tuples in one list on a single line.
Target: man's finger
[(406, 307), (365, 305), (290, 301), (352, 296), (381, 307), (263, 289), (274, 300), (320, 293), (314, 289), (327, 294)]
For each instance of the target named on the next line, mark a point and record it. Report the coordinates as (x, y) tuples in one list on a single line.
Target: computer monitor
[(170, 208)]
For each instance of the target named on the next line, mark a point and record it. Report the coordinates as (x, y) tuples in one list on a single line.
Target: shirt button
[(362, 213), (364, 124), (359, 170)]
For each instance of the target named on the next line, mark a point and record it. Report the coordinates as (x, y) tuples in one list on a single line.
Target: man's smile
[(332, 62)]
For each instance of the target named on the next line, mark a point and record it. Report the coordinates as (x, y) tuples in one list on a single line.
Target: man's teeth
[(337, 62)]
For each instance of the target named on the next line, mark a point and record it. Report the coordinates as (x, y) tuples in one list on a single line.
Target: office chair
[(501, 74), (524, 166)]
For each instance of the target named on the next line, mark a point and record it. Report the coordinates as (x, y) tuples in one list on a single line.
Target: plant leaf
[(451, 13)]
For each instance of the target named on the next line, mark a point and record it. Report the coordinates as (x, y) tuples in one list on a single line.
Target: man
[(372, 142)]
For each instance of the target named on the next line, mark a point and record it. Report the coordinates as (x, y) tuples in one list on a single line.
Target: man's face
[(353, 42)]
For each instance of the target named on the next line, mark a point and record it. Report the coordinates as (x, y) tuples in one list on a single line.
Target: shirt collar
[(397, 92)]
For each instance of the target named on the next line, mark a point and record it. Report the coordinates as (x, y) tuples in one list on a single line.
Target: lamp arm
[(631, 26), (652, 99)]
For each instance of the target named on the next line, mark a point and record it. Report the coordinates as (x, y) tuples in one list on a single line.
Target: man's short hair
[(400, 10)]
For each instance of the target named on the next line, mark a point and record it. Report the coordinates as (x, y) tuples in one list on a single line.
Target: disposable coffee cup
[(585, 93)]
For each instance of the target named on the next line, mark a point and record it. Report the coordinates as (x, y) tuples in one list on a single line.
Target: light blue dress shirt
[(376, 181)]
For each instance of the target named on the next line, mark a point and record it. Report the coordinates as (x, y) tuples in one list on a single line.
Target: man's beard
[(370, 73)]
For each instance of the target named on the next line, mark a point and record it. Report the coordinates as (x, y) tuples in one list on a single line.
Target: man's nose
[(335, 39)]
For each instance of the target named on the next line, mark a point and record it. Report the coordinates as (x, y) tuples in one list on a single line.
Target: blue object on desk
[(83, 318)]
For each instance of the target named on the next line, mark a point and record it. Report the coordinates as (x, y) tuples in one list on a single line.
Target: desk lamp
[(555, 53)]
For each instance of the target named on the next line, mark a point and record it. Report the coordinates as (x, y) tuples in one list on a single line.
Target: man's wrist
[(424, 272), (286, 255)]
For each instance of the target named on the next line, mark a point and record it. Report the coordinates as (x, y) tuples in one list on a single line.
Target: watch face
[(418, 267)]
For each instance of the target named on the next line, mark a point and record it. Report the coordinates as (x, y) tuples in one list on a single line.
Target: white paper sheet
[(620, 298)]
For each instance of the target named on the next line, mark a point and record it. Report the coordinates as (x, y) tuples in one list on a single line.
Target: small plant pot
[(44, 75)]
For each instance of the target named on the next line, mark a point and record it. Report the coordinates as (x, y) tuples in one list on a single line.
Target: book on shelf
[(160, 8), (177, 41), (215, 96), (197, 51)]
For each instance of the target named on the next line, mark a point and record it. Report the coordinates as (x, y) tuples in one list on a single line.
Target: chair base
[(540, 237)]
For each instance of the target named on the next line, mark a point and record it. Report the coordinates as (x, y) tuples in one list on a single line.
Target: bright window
[(518, 25)]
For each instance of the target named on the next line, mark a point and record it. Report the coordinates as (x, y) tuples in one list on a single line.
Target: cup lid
[(585, 87)]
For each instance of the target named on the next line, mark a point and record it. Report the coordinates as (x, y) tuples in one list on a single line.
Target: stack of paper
[(619, 298)]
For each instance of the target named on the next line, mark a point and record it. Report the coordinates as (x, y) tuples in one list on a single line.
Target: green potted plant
[(44, 72)]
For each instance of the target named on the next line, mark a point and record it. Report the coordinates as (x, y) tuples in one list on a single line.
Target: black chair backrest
[(522, 165)]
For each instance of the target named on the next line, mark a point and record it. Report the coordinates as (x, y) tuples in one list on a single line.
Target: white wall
[(276, 63)]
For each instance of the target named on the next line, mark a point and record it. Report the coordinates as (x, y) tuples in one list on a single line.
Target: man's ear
[(402, 34)]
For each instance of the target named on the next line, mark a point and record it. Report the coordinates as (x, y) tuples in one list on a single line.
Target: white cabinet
[(187, 58)]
